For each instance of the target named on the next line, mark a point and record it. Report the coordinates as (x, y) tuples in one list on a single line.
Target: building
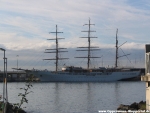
[(146, 77)]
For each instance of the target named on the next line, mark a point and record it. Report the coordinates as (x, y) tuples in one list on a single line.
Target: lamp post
[(17, 61), (3, 75), (17, 67), (5, 96), (6, 92)]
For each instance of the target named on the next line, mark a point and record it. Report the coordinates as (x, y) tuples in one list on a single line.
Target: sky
[(25, 27)]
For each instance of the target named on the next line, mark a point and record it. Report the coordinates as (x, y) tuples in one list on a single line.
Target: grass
[(142, 106)]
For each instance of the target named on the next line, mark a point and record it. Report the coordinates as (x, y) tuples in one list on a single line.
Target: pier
[(14, 76)]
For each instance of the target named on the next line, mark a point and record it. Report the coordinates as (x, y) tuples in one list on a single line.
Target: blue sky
[(25, 25)]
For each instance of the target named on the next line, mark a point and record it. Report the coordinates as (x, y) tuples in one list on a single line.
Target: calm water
[(77, 97)]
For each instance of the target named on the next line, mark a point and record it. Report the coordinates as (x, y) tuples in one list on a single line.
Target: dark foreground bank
[(11, 108), (134, 106)]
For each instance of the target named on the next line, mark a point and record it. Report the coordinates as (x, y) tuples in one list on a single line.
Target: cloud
[(25, 25), (133, 45)]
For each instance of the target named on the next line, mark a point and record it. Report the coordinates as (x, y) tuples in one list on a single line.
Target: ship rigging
[(117, 47), (89, 48), (57, 50)]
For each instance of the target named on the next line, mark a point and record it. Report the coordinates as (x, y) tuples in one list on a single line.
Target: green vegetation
[(17, 107), (142, 106)]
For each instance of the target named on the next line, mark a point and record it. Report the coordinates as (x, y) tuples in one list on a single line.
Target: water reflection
[(78, 97), (89, 97), (57, 98)]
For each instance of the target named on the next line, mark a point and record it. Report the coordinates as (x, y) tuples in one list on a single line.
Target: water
[(77, 97)]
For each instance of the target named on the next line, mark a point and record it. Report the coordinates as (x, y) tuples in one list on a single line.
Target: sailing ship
[(79, 74)]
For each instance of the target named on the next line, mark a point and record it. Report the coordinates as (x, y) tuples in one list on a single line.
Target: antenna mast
[(57, 49), (89, 45)]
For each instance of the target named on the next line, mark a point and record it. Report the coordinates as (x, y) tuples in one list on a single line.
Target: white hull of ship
[(46, 76)]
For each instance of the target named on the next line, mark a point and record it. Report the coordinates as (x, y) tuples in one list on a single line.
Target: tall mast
[(57, 50), (116, 64), (117, 47), (89, 45)]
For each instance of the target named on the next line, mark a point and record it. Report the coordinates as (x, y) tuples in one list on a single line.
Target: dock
[(14, 76)]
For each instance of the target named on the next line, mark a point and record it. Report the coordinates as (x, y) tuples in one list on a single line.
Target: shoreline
[(134, 106)]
